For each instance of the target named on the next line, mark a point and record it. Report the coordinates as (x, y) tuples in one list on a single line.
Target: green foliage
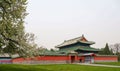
[(61, 67), (13, 38), (116, 49), (106, 50), (118, 56), (101, 52)]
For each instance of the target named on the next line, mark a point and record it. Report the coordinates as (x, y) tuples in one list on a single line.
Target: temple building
[(76, 50), (80, 45)]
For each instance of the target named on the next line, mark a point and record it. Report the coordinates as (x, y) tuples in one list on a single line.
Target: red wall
[(18, 60), (106, 58), (58, 58), (64, 58), (53, 58)]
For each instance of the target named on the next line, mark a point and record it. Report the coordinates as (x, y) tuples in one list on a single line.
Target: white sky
[(53, 21)]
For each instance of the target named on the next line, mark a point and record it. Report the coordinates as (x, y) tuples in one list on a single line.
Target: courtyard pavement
[(99, 65)]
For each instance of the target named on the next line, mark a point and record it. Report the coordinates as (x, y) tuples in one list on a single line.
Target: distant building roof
[(51, 53), (4, 55), (81, 39)]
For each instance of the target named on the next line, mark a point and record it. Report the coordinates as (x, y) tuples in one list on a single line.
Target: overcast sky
[(53, 21)]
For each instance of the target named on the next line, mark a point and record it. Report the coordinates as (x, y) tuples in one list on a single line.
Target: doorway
[(72, 59), (80, 60), (87, 59)]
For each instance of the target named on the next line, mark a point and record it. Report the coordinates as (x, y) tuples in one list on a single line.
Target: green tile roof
[(66, 50), (69, 49), (73, 41)]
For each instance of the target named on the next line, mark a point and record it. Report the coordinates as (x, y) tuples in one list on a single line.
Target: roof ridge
[(73, 38)]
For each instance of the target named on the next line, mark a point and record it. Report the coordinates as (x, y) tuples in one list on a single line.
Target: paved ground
[(99, 65)]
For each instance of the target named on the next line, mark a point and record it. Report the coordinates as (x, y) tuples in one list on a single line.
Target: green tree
[(118, 56), (13, 38), (106, 50), (116, 49), (52, 50), (101, 51)]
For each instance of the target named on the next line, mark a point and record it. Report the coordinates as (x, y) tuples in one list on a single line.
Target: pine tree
[(106, 50)]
